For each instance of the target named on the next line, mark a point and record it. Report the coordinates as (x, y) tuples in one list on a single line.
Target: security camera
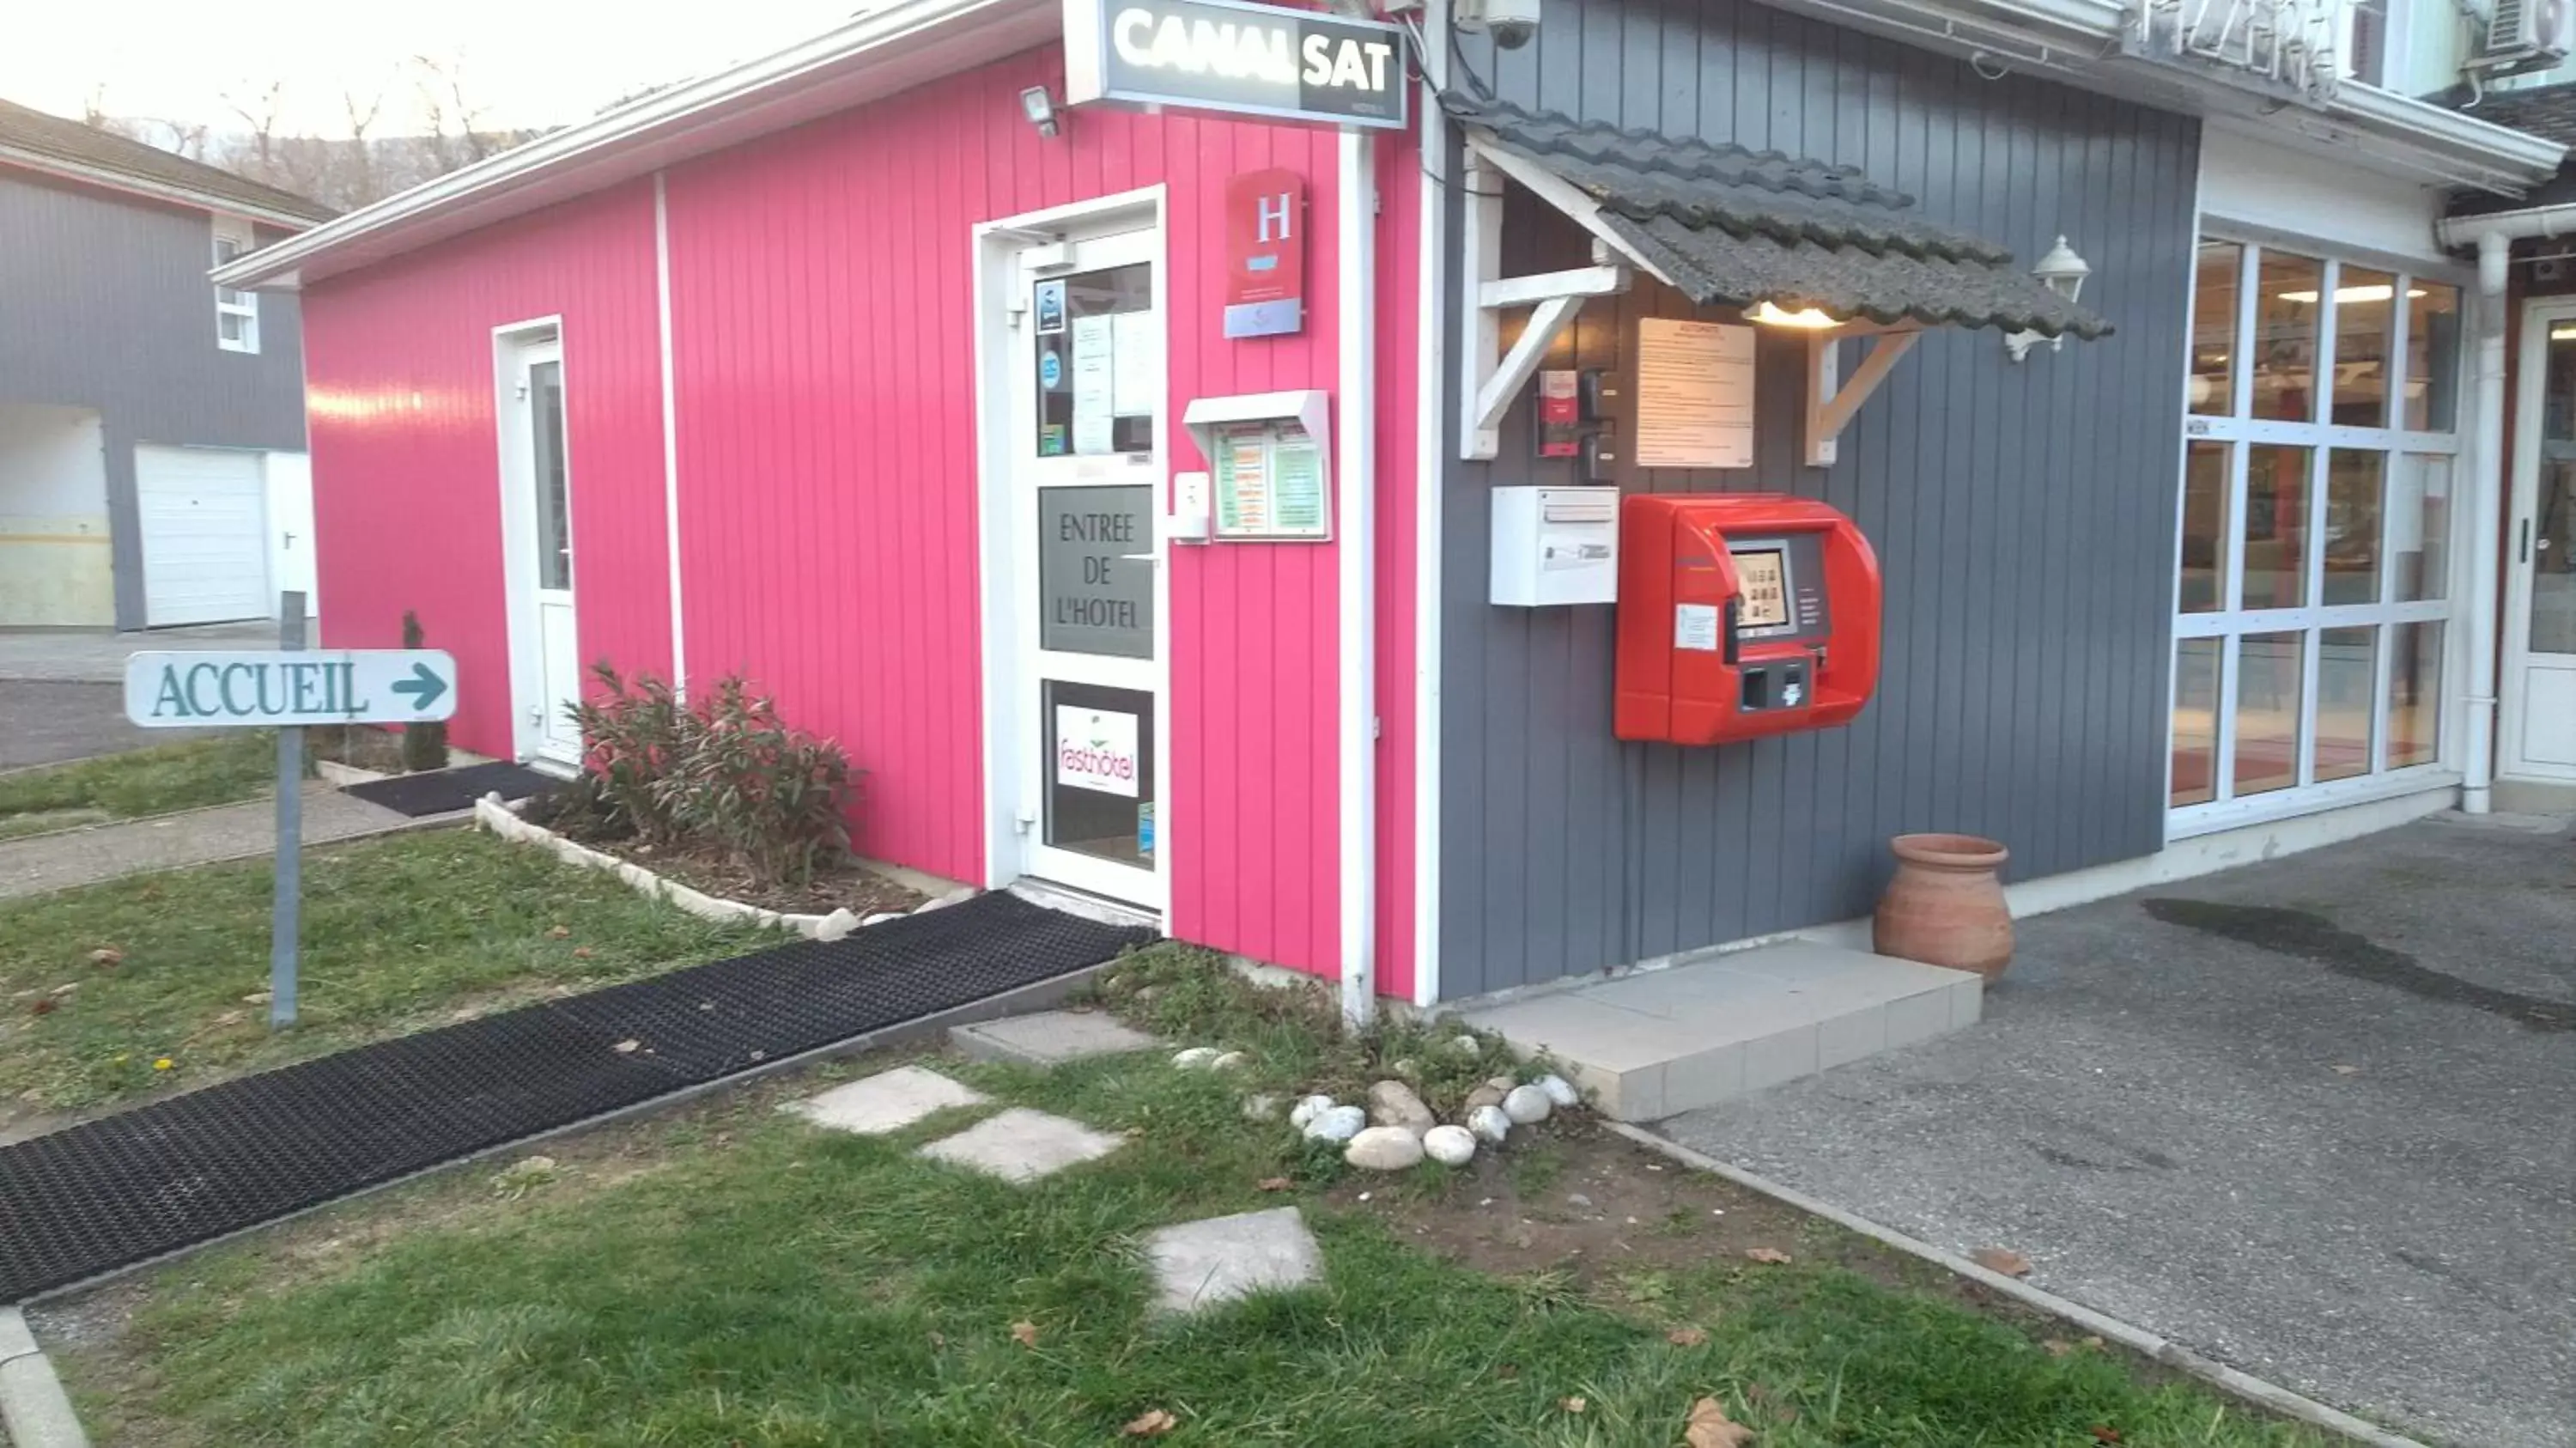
[(1511, 22)]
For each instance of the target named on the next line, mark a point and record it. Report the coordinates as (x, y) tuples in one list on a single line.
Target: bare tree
[(342, 171)]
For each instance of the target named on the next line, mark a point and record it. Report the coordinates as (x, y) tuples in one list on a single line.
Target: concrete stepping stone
[(886, 1102), (1200, 1264), (1048, 1038), (1021, 1145)]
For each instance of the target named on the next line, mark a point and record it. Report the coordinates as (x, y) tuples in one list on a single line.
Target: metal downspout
[(2477, 790)]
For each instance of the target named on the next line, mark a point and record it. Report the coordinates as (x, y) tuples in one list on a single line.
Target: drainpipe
[(2493, 236), (1355, 557), (2477, 792)]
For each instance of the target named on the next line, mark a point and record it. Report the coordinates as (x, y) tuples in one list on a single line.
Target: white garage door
[(205, 534)]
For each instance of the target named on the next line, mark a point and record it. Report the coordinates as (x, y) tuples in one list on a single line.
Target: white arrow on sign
[(280, 686)]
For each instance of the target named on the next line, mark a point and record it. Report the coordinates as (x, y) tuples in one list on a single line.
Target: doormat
[(124, 1190), (443, 791)]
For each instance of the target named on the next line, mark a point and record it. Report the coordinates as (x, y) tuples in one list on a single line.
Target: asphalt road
[(41, 723), (2315, 1118)]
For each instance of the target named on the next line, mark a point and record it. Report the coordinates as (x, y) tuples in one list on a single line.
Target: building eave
[(903, 45), (2085, 42), (107, 179)]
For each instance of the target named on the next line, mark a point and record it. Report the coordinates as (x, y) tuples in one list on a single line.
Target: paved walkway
[(2311, 1118), (40, 863)]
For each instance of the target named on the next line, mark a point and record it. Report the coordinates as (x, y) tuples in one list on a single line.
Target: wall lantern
[(2062, 272), (1039, 107)]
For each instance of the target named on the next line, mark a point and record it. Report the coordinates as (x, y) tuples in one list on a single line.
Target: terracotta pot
[(1945, 906)]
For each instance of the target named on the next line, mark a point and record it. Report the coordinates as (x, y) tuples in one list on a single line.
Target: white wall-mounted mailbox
[(1270, 464), (1555, 545)]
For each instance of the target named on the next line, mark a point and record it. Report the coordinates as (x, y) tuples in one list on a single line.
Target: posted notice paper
[(1694, 394)]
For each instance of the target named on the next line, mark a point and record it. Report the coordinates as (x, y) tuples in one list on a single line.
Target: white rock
[(1450, 1145), (1336, 1123), (1527, 1105), (1308, 1109), (881, 917), (1384, 1148), (1260, 1107), (1229, 1061), (1466, 1045), (1488, 1094), (1559, 1091), (1195, 1057), (1490, 1123), (836, 925), (1392, 1103)]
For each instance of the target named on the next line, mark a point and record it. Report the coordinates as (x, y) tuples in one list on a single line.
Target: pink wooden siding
[(823, 367), (1399, 290), (406, 458)]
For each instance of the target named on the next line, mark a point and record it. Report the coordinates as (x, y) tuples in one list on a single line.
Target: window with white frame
[(2313, 612), (236, 312)]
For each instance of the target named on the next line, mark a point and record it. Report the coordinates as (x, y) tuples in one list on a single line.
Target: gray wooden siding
[(2023, 517), (104, 304)]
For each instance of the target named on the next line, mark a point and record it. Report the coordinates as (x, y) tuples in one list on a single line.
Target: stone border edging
[(2163, 1351), (493, 813), (35, 1412)]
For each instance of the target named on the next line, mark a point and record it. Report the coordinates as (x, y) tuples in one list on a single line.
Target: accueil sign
[(1220, 55)]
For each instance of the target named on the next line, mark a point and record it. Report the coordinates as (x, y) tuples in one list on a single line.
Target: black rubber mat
[(442, 790), (126, 1188)]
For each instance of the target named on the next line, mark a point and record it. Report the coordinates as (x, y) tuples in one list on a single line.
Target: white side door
[(290, 526), (1087, 478), (204, 523), (2538, 697), (545, 649)]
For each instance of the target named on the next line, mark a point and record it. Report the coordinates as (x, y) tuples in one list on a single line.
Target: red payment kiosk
[(1741, 615)]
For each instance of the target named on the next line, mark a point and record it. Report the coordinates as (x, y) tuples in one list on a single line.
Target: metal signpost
[(288, 689)]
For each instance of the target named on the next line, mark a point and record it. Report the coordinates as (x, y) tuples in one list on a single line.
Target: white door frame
[(1006, 550), (2520, 559), (511, 343)]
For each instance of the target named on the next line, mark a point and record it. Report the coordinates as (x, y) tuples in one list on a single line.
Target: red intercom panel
[(1741, 615)]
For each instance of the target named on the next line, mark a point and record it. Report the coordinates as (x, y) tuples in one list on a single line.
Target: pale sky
[(529, 62)]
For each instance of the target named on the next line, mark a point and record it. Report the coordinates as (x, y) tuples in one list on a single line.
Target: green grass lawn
[(399, 933), (732, 1276), (235, 765)]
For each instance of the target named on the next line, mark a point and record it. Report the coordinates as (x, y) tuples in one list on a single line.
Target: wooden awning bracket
[(1488, 377), (1833, 398)]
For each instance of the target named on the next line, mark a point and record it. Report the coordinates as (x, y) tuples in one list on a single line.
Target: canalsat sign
[(1219, 55)]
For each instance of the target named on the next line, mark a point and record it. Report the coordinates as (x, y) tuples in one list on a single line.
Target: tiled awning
[(1724, 224)]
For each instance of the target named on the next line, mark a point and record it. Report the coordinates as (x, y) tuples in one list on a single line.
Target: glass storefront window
[(2419, 527), (2414, 694), (2276, 527), (2432, 357), (2195, 720), (2288, 300), (2270, 668), (2346, 660), (2213, 327), (2313, 587), (2351, 543), (2206, 537), (2365, 303)]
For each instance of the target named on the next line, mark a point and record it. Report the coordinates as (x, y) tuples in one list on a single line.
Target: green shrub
[(631, 743), (772, 798), (424, 745), (724, 774)]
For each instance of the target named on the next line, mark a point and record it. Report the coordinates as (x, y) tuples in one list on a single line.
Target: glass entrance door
[(1088, 475), (2538, 701)]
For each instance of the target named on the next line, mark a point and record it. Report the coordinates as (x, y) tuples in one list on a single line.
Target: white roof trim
[(846, 66), (126, 181)]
